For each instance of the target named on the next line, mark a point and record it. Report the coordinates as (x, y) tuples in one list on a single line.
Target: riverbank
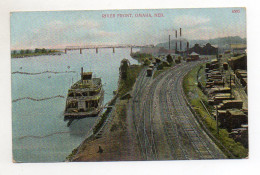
[(196, 97), (53, 81), (24, 55), (117, 138), (112, 138)]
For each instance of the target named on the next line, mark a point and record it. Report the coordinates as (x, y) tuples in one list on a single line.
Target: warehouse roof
[(238, 57), (235, 112), (194, 53), (238, 46)]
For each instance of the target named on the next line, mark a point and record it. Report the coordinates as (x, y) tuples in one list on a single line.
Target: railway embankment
[(111, 138), (198, 102)]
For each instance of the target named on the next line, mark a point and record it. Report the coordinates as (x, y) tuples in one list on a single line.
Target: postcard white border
[(250, 166)]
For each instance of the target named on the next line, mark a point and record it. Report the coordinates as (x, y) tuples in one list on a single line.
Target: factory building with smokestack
[(208, 49), (181, 44), (177, 45)]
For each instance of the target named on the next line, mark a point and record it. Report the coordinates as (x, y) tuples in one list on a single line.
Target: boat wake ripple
[(40, 137), (41, 99), (37, 73)]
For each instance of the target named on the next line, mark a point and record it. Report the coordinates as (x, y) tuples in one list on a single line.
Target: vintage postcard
[(129, 85)]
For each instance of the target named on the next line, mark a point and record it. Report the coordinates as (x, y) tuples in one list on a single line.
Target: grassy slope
[(192, 92), (127, 85)]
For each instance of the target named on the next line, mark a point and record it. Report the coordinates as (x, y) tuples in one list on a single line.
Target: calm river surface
[(39, 131)]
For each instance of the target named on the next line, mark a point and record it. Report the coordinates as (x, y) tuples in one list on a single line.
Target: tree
[(43, 50), (169, 58), (22, 51), (160, 67), (124, 68), (147, 62), (36, 50), (27, 51), (165, 64), (14, 52), (178, 60)]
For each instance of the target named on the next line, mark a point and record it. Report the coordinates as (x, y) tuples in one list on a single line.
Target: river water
[(39, 131)]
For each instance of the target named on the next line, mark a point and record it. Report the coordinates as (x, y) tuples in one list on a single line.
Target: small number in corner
[(235, 11)]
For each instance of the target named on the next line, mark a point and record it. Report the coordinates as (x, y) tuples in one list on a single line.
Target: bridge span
[(80, 48)]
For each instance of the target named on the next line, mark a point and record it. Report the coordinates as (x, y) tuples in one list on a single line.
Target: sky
[(58, 29)]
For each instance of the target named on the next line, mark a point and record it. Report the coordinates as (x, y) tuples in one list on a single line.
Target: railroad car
[(225, 66), (151, 66), (149, 72), (158, 60)]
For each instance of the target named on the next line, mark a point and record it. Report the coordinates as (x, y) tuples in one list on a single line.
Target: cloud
[(188, 21), (138, 31), (87, 24), (56, 34), (125, 31), (208, 32)]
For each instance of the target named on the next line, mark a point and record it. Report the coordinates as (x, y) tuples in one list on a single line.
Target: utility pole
[(230, 85), (217, 120)]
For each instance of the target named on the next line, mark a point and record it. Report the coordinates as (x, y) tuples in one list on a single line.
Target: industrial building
[(208, 49), (238, 62)]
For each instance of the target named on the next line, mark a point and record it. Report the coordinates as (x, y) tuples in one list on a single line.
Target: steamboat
[(85, 98)]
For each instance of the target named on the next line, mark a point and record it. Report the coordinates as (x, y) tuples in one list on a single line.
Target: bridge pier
[(131, 50), (113, 50), (80, 51), (65, 51), (96, 50)]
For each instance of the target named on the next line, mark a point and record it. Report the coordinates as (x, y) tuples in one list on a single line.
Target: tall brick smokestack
[(82, 74), (180, 40), (176, 46), (188, 48)]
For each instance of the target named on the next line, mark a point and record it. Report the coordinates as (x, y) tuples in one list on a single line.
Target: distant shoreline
[(34, 54)]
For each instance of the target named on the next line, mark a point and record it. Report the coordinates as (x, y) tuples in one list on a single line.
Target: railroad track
[(141, 80), (182, 115), (182, 133), (174, 136), (142, 115), (201, 143)]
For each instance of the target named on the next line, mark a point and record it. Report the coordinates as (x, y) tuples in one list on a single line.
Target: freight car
[(149, 72)]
